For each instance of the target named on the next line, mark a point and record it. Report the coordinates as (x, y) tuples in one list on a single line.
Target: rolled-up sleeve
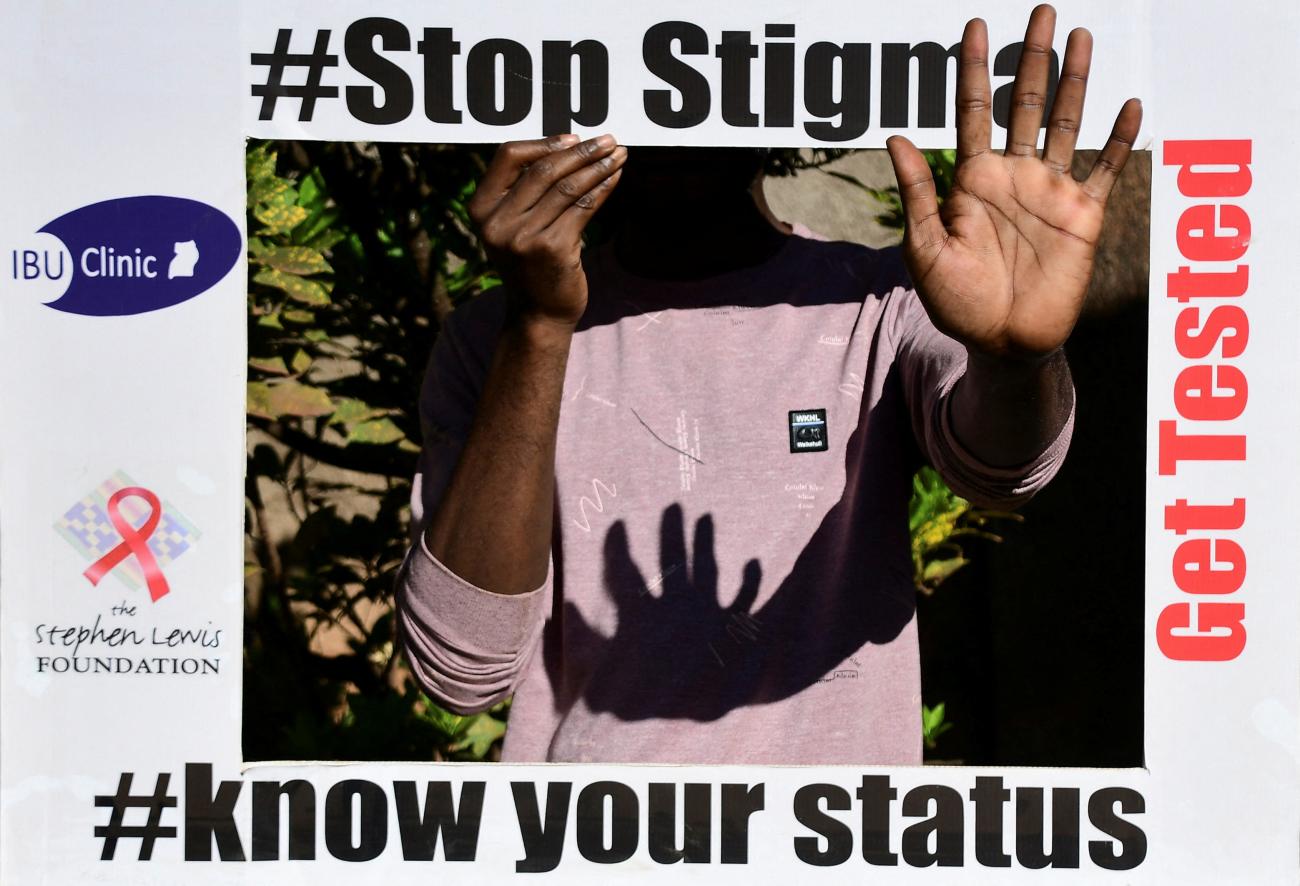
[(931, 364), (467, 646)]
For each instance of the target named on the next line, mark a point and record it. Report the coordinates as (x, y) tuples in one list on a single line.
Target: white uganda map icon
[(183, 261)]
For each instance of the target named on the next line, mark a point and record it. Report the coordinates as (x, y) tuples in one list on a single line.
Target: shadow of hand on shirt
[(679, 653)]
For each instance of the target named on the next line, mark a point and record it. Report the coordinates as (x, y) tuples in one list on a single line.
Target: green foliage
[(355, 253), (937, 516), (933, 725)]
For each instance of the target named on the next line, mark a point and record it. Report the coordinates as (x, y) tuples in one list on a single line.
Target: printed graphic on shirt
[(808, 430), (805, 496), (594, 503), (594, 398), (853, 386), (646, 319), (688, 448)]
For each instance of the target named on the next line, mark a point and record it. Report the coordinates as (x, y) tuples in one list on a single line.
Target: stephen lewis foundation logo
[(125, 531)]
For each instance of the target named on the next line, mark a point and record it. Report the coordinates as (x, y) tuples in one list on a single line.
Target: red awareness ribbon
[(134, 542)]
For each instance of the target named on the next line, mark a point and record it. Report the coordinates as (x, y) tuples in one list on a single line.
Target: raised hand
[(1004, 267), (531, 208)]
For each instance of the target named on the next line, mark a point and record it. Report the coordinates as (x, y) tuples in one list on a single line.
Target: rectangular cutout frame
[(136, 382)]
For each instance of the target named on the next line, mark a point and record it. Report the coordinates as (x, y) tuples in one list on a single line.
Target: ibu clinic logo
[(130, 255)]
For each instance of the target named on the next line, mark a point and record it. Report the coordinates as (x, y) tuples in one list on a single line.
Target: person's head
[(665, 183)]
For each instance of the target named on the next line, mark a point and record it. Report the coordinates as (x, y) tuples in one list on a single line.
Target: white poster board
[(124, 358)]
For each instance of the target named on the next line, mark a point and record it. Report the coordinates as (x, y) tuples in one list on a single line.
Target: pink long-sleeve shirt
[(730, 577)]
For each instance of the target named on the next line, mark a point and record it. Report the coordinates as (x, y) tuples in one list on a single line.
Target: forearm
[(492, 526), (1006, 413)]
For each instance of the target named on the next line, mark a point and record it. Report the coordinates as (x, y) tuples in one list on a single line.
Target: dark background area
[(1036, 647)]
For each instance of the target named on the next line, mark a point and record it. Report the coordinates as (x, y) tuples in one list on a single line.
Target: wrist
[(540, 332), (1011, 367)]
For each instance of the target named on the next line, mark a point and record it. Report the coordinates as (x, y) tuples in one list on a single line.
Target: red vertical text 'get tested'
[(1209, 395)]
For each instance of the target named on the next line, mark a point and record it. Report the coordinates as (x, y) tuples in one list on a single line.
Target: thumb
[(925, 234)]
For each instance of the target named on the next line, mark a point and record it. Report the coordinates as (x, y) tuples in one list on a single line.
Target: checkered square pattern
[(87, 528)]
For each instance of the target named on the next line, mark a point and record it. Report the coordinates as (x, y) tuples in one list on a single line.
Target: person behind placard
[(709, 371)]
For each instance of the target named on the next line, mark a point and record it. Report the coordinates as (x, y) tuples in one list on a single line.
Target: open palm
[(1004, 267)]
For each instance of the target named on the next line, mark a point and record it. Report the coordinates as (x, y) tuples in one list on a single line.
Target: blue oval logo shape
[(138, 254)]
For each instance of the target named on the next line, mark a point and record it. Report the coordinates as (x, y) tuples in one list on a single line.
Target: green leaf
[(375, 432), (447, 723), (278, 219), (316, 335), (295, 398), (937, 570), (309, 190), (319, 220), (309, 292), (259, 399), (271, 321), (259, 165), (271, 192), (273, 365), (933, 725), (296, 315), (295, 260), (350, 411), (301, 362), (325, 239), (287, 398), (478, 737)]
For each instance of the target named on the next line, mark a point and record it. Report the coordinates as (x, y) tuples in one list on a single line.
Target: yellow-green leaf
[(259, 164), (295, 398), (271, 191), (273, 365), (259, 399), (287, 398), (350, 411), (295, 260), (279, 219), (301, 362), (478, 737), (376, 432), (309, 292), (295, 315), (937, 570)]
